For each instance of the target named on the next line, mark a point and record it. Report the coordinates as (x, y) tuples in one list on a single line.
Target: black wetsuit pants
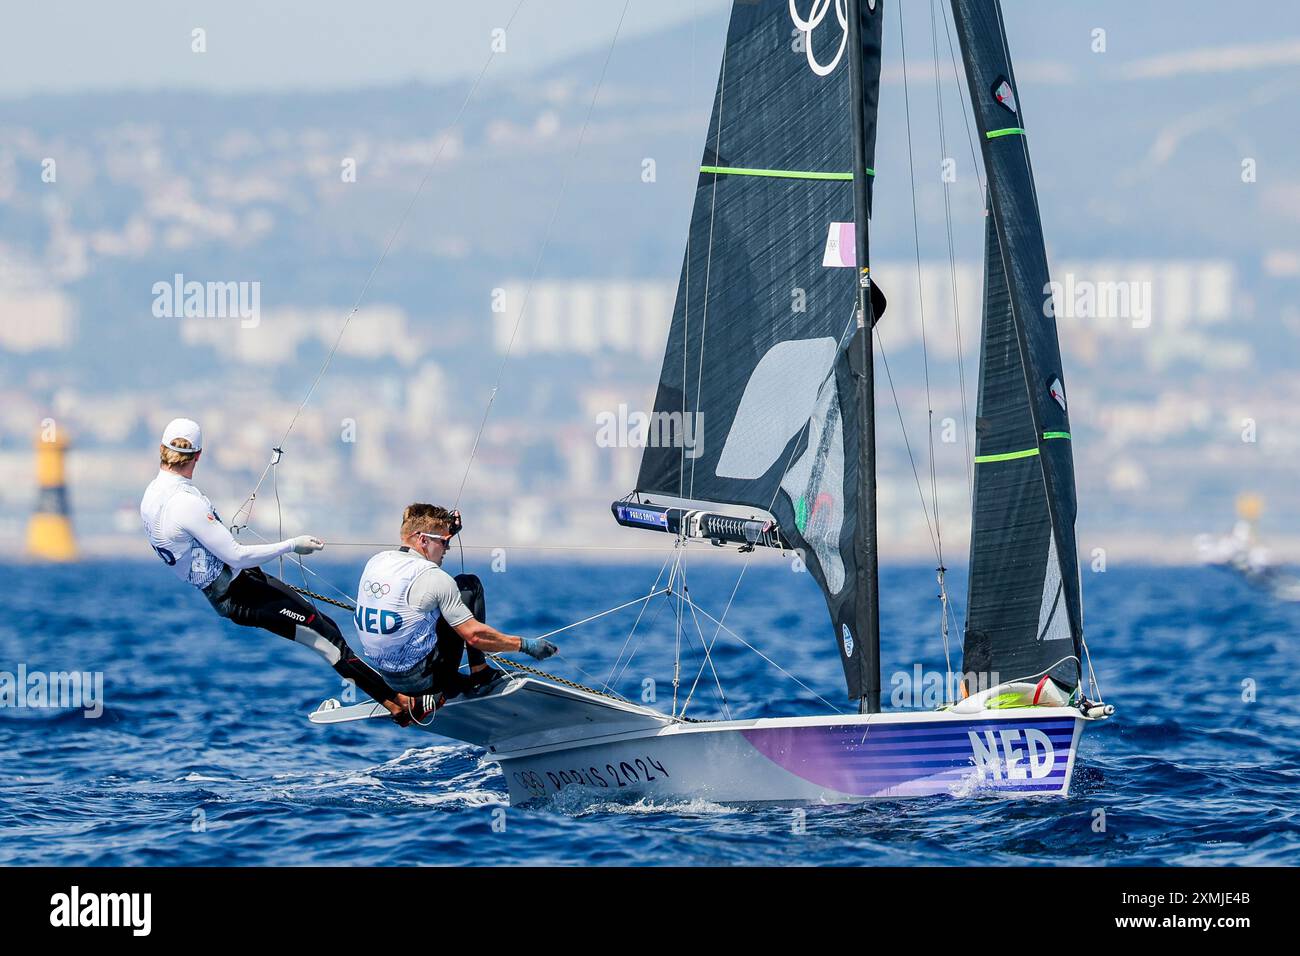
[(255, 599)]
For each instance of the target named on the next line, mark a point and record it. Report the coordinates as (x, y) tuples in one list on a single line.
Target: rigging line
[(708, 659), (279, 515), (769, 660), (637, 623), (513, 668), (925, 351), (347, 605), (944, 598), (559, 630), (708, 651), (302, 568), (1092, 674), (970, 135), (717, 630), (666, 602), (880, 347), (401, 222), (509, 666), (277, 454), (1045, 671), (517, 547), (952, 617), (279, 518), (677, 640), (612, 610), (708, 261), (591, 677), (333, 587), (943, 631), (676, 559), (952, 264), (686, 300), (541, 254)]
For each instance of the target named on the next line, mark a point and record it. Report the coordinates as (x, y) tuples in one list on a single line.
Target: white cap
[(183, 428)]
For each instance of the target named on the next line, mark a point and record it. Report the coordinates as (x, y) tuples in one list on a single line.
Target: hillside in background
[(538, 195)]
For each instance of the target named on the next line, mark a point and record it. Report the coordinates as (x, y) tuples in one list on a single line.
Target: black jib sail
[(1025, 607), (755, 404)]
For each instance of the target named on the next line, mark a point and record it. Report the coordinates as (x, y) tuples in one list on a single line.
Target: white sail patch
[(1057, 391), (841, 246), (779, 399), (815, 484), (1005, 95), (1053, 619)]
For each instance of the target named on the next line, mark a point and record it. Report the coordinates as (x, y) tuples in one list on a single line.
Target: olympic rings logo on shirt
[(375, 588)]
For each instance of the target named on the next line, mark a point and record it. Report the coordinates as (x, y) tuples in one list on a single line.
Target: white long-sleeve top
[(184, 530)]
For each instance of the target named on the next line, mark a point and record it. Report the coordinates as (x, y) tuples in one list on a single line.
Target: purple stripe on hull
[(897, 745), (1019, 755), (1052, 725)]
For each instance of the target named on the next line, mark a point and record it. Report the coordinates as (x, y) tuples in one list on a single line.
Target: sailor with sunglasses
[(415, 621)]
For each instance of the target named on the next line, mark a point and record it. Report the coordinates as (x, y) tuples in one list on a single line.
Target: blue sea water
[(203, 754)]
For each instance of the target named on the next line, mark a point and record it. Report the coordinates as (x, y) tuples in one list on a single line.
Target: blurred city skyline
[(1167, 175)]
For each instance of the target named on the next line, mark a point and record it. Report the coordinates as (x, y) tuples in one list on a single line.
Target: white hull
[(549, 738), (810, 760)]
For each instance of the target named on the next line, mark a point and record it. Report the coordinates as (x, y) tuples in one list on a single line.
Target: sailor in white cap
[(185, 531)]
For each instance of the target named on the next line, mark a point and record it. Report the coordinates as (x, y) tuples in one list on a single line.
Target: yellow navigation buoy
[(1250, 507), (49, 533)]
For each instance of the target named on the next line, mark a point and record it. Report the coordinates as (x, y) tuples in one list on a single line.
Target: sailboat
[(786, 394), (1241, 552)]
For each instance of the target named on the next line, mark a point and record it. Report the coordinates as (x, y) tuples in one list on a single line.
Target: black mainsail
[(1025, 614), (757, 377)]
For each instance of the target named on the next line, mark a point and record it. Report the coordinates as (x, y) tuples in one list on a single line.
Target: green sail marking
[(1009, 131), (778, 173), (800, 514), (1006, 456), (1012, 455)]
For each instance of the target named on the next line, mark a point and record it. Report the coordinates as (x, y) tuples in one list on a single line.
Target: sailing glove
[(537, 647), (306, 544)]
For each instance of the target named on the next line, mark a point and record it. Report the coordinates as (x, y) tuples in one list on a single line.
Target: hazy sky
[(276, 45), (76, 45)]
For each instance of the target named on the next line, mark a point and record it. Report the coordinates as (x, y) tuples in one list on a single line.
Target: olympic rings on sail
[(815, 16)]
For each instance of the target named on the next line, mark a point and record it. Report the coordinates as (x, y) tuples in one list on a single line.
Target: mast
[(862, 360)]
